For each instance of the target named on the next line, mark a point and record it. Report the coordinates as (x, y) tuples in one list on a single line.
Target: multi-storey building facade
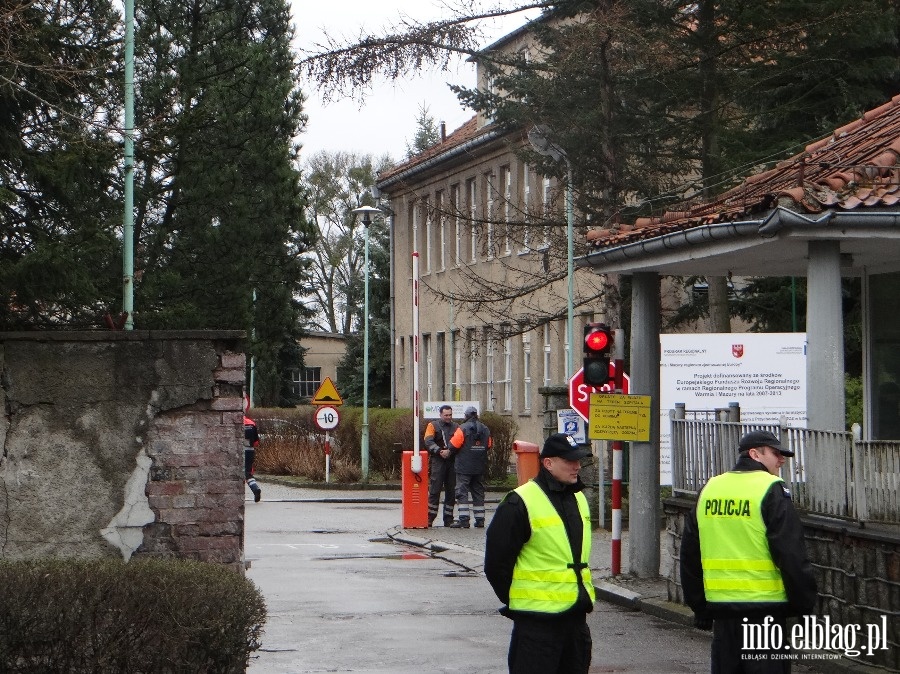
[(490, 237)]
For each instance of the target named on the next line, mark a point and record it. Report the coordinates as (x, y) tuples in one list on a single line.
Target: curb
[(468, 558), (356, 486), (634, 601)]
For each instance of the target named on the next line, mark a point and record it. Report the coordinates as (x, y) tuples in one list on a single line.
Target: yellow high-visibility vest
[(545, 578), (734, 551)]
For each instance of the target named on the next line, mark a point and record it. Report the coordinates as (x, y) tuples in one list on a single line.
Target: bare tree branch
[(342, 68)]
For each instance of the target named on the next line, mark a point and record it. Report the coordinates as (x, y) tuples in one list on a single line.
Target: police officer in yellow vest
[(536, 559), (744, 568)]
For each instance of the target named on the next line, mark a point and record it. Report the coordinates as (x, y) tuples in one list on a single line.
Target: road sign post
[(580, 401), (327, 418)]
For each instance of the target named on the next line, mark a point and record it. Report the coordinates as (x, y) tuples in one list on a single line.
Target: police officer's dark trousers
[(558, 646), (729, 655)]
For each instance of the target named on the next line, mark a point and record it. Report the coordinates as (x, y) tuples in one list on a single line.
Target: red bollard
[(414, 496)]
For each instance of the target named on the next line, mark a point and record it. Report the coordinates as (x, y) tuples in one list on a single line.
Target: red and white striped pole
[(327, 456), (416, 463), (617, 460)]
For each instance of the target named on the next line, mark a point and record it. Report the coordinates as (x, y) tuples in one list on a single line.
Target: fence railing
[(831, 473)]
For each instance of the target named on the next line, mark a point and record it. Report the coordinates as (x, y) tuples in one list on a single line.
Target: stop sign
[(580, 393)]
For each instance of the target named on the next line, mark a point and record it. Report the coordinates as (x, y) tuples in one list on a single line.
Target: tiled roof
[(856, 167), (464, 133)]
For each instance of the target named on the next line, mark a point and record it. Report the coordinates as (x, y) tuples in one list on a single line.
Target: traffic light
[(598, 339)]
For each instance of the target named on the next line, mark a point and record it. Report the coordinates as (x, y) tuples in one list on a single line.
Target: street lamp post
[(366, 212), (538, 136)]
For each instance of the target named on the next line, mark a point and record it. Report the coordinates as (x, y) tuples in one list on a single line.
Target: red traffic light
[(597, 338), (597, 342)]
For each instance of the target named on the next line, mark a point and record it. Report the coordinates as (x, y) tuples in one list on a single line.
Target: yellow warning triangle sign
[(327, 394)]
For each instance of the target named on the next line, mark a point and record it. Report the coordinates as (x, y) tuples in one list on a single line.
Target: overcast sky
[(386, 119)]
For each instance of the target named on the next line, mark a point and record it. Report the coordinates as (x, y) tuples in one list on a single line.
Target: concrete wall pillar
[(643, 492), (825, 338)]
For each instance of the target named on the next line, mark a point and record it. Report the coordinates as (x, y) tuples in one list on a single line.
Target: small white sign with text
[(431, 408)]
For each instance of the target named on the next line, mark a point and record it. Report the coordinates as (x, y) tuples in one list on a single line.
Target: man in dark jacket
[(744, 568), (541, 572), (472, 439), (441, 464)]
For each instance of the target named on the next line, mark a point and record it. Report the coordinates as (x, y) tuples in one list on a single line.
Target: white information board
[(431, 408), (764, 372)]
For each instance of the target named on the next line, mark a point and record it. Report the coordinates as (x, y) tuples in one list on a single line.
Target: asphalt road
[(343, 597)]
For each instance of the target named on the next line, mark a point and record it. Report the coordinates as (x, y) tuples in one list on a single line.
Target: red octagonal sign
[(580, 393)]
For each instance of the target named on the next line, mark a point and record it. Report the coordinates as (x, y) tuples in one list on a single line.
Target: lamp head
[(367, 213)]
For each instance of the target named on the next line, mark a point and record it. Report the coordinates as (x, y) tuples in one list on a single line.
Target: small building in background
[(322, 351)]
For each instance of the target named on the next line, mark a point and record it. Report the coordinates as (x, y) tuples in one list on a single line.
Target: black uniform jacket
[(785, 535), (510, 530), (473, 461)]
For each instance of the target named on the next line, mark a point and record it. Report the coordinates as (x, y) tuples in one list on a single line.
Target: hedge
[(73, 616)]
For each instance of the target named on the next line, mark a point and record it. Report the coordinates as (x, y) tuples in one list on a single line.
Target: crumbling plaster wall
[(122, 443)]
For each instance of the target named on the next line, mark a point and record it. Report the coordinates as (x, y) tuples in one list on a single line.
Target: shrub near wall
[(503, 432), (64, 616)]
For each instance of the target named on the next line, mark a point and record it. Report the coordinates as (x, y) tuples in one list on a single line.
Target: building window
[(401, 356), (506, 182), (547, 204), (473, 365), (441, 215), (455, 364), (526, 206), (489, 371), (414, 226), (440, 366), (473, 216), (429, 381), (490, 215), (457, 221), (547, 354), (306, 381), (429, 236), (507, 375), (526, 372)]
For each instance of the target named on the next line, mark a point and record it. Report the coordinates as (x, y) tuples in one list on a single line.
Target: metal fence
[(832, 473)]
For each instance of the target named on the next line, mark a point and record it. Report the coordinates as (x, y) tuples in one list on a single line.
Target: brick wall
[(857, 571), (122, 443)]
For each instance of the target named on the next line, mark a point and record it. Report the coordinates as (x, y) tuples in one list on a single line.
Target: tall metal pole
[(570, 272), (364, 438), (367, 212), (128, 223), (253, 357)]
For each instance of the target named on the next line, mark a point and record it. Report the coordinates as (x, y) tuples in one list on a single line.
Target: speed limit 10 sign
[(327, 417)]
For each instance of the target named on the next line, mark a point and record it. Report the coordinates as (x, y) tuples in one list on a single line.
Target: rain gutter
[(779, 220)]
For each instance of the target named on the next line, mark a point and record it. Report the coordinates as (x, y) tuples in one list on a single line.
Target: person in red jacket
[(251, 442)]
